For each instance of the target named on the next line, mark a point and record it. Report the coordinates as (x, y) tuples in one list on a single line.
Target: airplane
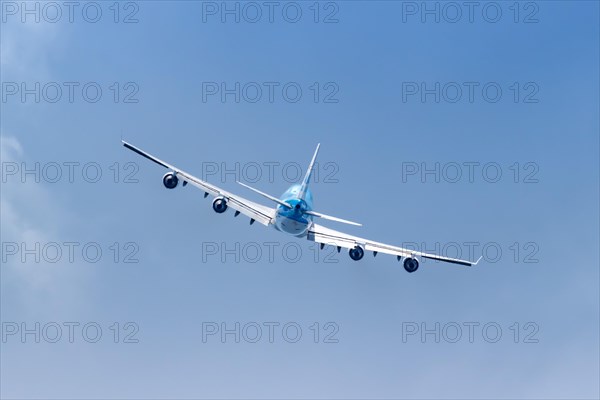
[(293, 215)]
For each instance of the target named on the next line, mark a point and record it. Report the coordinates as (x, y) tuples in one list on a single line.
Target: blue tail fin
[(306, 180)]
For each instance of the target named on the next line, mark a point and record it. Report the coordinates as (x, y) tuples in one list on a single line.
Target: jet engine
[(170, 180), (356, 253), (219, 205), (411, 264)]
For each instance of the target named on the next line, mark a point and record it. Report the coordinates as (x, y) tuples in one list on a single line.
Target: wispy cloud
[(32, 215), (26, 48)]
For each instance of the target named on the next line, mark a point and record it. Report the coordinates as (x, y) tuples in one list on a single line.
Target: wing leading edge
[(326, 236), (256, 212)]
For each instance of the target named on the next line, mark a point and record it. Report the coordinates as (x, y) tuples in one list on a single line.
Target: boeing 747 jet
[(293, 215)]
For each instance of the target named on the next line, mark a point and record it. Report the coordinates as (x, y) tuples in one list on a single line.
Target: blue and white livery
[(294, 215)]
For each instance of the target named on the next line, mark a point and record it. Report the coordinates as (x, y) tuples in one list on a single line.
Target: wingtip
[(479, 259)]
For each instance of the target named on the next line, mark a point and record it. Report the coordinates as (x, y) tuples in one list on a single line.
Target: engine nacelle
[(411, 264), (219, 205), (170, 180), (356, 253)]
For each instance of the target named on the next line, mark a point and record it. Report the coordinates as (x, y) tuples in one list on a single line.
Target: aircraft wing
[(326, 236), (257, 212)]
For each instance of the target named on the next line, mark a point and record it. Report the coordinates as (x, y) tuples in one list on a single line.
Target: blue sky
[(544, 283)]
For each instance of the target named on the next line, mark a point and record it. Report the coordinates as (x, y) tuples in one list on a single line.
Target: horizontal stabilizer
[(345, 221), (268, 196)]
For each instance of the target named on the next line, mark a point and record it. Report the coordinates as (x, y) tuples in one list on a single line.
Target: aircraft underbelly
[(291, 226)]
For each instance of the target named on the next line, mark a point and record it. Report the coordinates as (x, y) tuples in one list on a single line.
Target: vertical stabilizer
[(306, 180)]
